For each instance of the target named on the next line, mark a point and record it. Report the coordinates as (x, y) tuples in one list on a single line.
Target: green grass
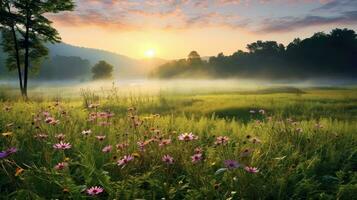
[(315, 163)]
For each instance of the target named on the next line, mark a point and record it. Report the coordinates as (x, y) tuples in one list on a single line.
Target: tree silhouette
[(102, 70)]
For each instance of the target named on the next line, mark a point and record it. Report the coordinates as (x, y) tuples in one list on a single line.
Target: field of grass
[(266, 144)]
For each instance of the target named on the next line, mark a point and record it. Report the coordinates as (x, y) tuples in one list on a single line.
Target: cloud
[(292, 23), (128, 15), (338, 5)]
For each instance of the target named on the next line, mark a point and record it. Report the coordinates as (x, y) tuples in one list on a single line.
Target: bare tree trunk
[(28, 18), (17, 54)]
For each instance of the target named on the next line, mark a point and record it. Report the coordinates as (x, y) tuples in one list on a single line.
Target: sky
[(170, 29)]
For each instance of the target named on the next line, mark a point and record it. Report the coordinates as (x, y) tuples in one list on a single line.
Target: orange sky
[(173, 28)]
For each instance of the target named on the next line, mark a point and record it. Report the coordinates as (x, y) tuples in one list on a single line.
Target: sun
[(150, 53)]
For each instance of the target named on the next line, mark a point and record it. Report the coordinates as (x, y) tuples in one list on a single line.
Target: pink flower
[(222, 140), (51, 120), (60, 137), (122, 146), (46, 113), (86, 132), (187, 137), (107, 149), (61, 166), (41, 136), (100, 137), (164, 142), (95, 190), (198, 150), (196, 158), (255, 140), (168, 159), (93, 105), (252, 170), (125, 160), (62, 145)]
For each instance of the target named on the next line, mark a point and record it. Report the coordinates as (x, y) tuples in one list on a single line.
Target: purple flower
[(61, 166), (164, 142), (3, 154), (100, 137), (125, 160), (168, 159), (107, 149), (231, 164), (86, 132), (196, 158), (221, 140), (60, 136), (95, 190), (9, 151), (62, 145), (252, 170), (187, 137)]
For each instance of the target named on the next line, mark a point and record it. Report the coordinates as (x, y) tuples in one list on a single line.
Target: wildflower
[(95, 190), (255, 140), (7, 134), (299, 130), (62, 145), (252, 170), (221, 140), (7, 108), (61, 166), (252, 111), (107, 149), (141, 145), (231, 164), (187, 137), (41, 136), (86, 132), (261, 111), (168, 159), (51, 121), (19, 171), (8, 152), (198, 150), (164, 142), (246, 152), (60, 136), (289, 120), (46, 113), (196, 158), (125, 160), (100, 137), (93, 105), (122, 146), (318, 125)]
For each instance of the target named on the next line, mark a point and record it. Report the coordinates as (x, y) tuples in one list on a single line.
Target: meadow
[(270, 143)]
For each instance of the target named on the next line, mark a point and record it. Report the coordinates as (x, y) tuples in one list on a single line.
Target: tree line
[(332, 55)]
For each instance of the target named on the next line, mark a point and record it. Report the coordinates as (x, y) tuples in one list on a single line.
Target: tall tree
[(8, 21), (31, 29)]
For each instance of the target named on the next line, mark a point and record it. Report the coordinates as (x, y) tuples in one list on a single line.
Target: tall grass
[(303, 145)]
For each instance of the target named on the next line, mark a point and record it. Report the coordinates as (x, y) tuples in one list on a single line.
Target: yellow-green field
[(274, 143)]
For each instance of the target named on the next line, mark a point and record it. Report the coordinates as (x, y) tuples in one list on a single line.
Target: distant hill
[(124, 66)]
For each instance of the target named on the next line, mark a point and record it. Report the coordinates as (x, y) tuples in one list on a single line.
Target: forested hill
[(332, 55), (71, 62)]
